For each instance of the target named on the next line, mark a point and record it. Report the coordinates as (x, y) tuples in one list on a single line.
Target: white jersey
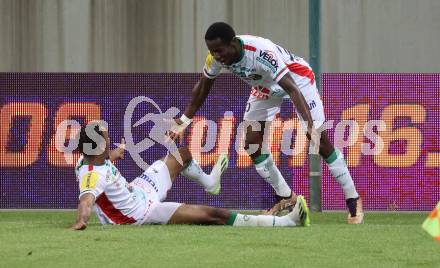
[(116, 202), (262, 65)]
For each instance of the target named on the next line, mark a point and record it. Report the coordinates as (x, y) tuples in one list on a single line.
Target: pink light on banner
[(405, 175)]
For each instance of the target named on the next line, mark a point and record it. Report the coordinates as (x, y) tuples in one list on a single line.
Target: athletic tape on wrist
[(185, 120)]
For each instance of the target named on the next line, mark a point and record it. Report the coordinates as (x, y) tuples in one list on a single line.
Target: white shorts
[(155, 182), (266, 109)]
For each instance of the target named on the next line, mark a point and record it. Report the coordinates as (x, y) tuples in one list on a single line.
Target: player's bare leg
[(174, 167), (266, 168), (196, 214), (338, 168), (192, 170)]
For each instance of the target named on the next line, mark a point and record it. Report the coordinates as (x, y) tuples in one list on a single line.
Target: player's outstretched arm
[(198, 97), (84, 210), (297, 98)]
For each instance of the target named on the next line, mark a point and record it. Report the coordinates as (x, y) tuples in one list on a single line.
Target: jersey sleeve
[(282, 70), (212, 67), (92, 182)]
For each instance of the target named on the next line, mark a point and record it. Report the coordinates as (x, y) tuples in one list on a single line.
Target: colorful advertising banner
[(405, 174), (386, 124)]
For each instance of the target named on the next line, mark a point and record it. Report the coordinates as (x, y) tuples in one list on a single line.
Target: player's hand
[(314, 137), (118, 153), (177, 129), (79, 226)]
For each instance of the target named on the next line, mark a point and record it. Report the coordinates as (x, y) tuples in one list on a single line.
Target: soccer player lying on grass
[(116, 201)]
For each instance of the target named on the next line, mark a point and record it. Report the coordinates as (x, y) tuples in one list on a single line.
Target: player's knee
[(255, 137), (252, 140), (185, 154), (326, 147), (253, 147)]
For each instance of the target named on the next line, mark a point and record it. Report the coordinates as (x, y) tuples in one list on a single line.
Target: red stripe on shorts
[(111, 212)]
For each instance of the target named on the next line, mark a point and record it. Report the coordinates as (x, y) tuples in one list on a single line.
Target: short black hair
[(220, 30), (84, 138)]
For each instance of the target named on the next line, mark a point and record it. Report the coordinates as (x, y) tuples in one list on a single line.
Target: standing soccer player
[(274, 73)]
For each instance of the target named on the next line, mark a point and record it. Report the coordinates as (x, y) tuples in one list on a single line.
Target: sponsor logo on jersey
[(243, 73), (115, 171), (269, 59), (108, 176), (240, 74), (254, 77), (150, 181), (260, 92)]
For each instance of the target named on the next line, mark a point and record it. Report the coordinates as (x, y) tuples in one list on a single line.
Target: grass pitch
[(41, 239)]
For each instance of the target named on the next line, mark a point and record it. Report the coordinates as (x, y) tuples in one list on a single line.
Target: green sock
[(267, 169), (266, 220), (257, 160), (231, 219), (332, 157), (339, 170)]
